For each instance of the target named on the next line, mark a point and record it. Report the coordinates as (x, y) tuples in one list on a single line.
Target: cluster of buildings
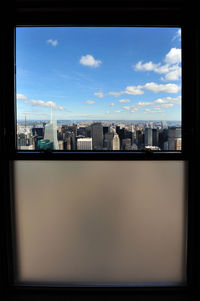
[(99, 136)]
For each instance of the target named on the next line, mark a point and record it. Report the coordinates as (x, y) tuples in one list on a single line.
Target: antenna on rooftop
[(51, 115), (25, 123)]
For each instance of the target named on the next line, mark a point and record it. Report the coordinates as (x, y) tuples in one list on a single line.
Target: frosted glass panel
[(87, 222)]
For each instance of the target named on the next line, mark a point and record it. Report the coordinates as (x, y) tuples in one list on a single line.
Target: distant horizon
[(117, 120)]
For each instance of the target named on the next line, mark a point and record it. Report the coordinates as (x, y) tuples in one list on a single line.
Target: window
[(122, 14), (98, 88)]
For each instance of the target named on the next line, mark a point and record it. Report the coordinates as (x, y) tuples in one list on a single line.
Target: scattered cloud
[(89, 60), (52, 42), (177, 35), (173, 56), (139, 90), (116, 94), (146, 67), (171, 67), (111, 104), (152, 111), (99, 94), (134, 90), (167, 105), (42, 103), (124, 100), (126, 107), (90, 102), (168, 88), (117, 111), (176, 100), (21, 97)]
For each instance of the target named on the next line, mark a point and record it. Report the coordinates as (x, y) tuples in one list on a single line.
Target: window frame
[(148, 13)]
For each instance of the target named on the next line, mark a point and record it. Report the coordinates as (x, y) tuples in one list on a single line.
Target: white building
[(84, 144), (116, 142)]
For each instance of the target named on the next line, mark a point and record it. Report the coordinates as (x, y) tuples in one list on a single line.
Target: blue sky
[(98, 73)]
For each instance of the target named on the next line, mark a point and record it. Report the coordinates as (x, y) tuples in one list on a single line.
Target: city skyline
[(91, 73)]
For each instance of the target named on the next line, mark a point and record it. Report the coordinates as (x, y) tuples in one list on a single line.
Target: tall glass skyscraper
[(148, 136), (50, 133), (174, 138), (97, 136)]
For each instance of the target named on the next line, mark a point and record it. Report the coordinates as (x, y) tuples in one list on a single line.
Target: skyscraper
[(126, 144), (148, 136), (84, 144), (109, 141), (97, 136), (51, 133), (155, 137), (174, 136), (116, 142)]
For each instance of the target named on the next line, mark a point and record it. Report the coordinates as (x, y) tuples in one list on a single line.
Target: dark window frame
[(146, 13)]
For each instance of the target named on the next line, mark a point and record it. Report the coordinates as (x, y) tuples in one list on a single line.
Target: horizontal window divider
[(98, 155)]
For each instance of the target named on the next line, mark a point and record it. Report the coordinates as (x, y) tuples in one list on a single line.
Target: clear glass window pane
[(98, 88)]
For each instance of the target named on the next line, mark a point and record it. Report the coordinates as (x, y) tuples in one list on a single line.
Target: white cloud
[(176, 100), (143, 104), (52, 42), (174, 74), (111, 104), (145, 67), (90, 102), (89, 60), (99, 94), (152, 111), (116, 94), (124, 100), (168, 88), (173, 56), (167, 105), (177, 35), (21, 97), (171, 67), (134, 90), (126, 107), (117, 111), (42, 103)]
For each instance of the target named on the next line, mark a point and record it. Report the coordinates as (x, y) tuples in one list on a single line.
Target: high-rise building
[(70, 131), (97, 136), (174, 134), (84, 144), (155, 137), (50, 133), (38, 132), (126, 144), (148, 136), (140, 139), (178, 144), (164, 125), (45, 144), (60, 145), (116, 142), (67, 143), (108, 141)]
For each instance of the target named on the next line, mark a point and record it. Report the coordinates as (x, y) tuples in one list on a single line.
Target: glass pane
[(105, 222), (98, 88)]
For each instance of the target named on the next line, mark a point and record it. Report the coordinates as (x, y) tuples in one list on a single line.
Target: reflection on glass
[(98, 88)]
